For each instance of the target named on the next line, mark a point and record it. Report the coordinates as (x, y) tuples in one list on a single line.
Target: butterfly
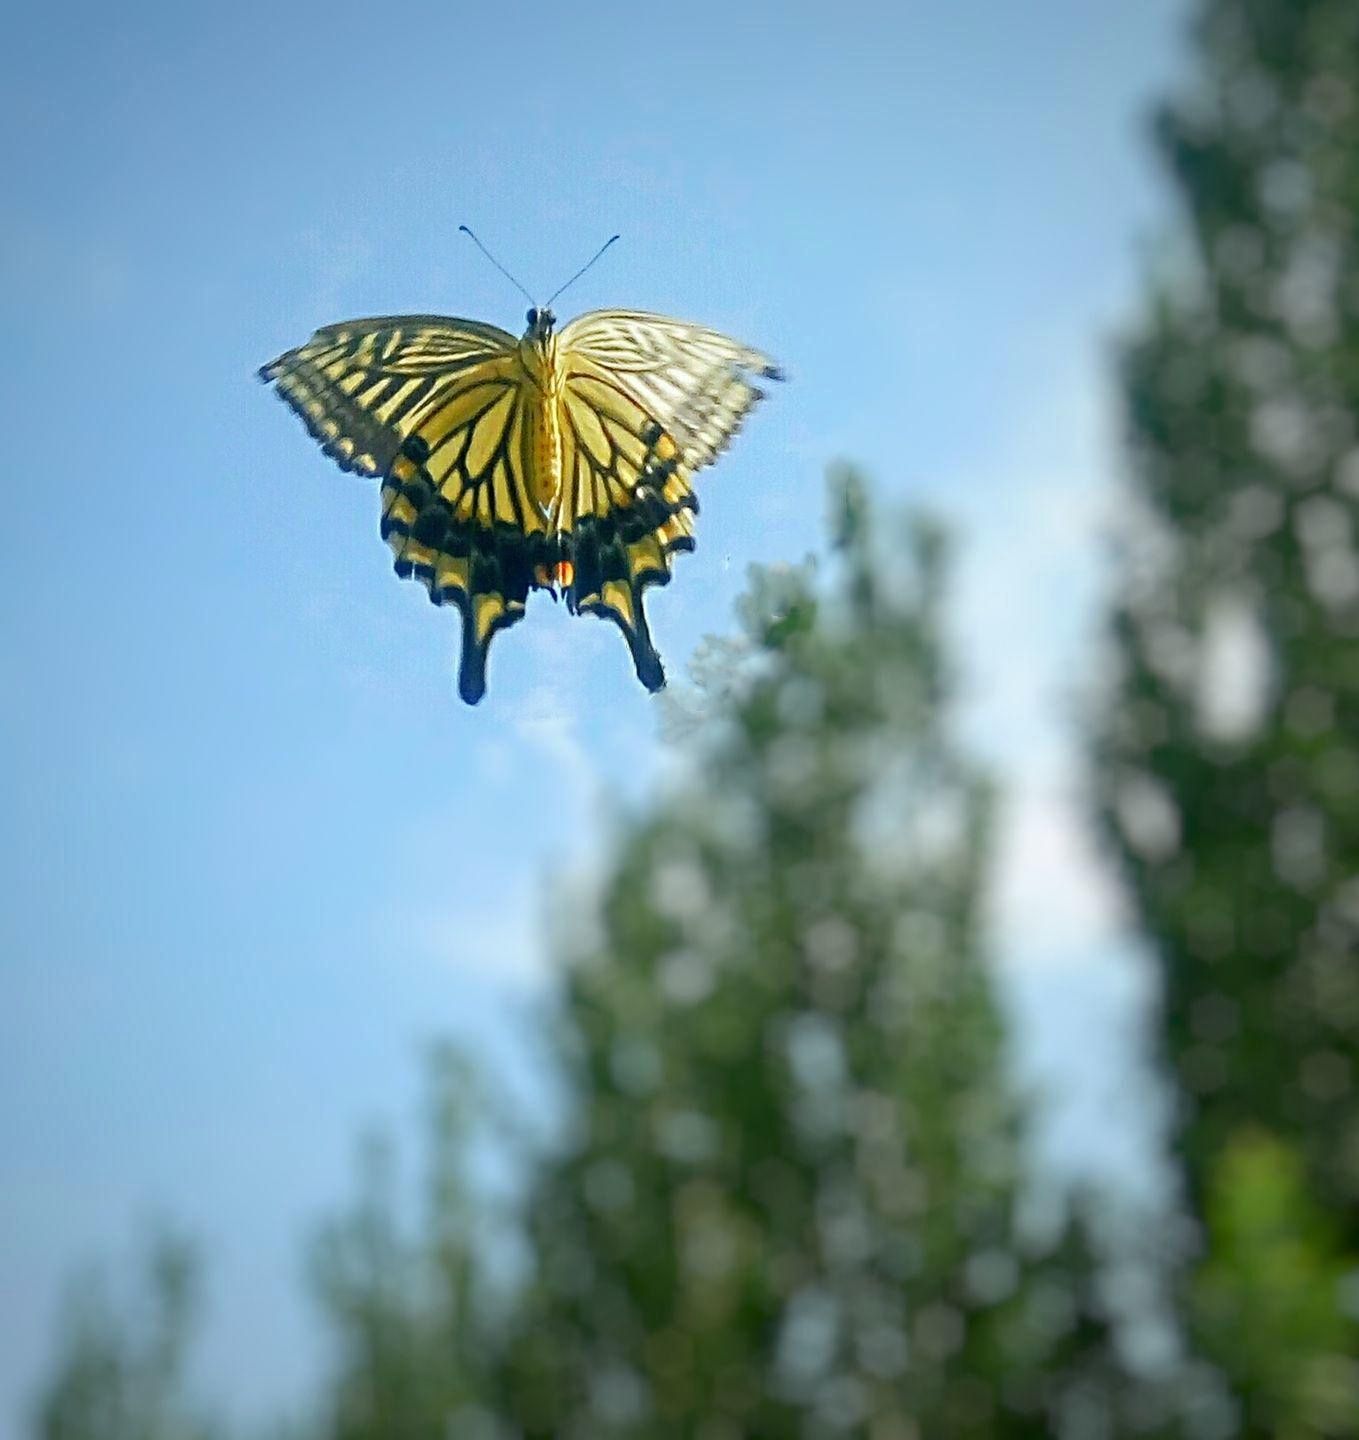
[(560, 461)]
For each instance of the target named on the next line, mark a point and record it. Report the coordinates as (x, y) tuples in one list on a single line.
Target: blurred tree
[(119, 1374), (1229, 758), (787, 1201), (785, 1197), (408, 1306)]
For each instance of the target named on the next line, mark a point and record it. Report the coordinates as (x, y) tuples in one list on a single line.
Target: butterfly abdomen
[(545, 464), (542, 453)]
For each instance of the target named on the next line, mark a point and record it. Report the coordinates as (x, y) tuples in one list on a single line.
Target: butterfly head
[(540, 323)]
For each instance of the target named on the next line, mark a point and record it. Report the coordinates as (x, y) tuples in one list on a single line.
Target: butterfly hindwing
[(459, 515), (624, 509)]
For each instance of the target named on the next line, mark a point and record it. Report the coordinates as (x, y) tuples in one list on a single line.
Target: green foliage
[(119, 1373), (787, 1202), (1276, 1291), (408, 1313), (784, 1197), (1230, 756)]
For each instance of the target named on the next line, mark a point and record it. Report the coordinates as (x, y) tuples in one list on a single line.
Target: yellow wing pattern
[(506, 467), (646, 402), (436, 408)]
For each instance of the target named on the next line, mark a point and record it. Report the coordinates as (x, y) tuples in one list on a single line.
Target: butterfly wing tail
[(486, 573), (477, 634), (623, 606), (615, 569)]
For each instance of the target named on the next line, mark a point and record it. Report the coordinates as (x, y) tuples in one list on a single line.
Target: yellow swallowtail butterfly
[(559, 461)]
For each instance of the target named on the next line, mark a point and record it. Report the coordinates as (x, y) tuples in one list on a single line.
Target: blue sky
[(254, 853)]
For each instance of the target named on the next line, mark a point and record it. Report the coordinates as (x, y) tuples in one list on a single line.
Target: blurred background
[(937, 1014)]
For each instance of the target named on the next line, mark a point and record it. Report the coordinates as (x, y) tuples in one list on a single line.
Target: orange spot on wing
[(559, 575)]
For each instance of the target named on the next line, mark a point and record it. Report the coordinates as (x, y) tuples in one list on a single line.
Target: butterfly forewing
[(695, 383), (361, 386)]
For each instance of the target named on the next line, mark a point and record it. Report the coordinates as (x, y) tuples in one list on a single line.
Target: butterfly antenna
[(583, 268), (468, 232)]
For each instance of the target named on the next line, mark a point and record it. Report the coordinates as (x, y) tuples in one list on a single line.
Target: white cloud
[(499, 940), (548, 723), (1028, 599), (505, 937), (1054, 899)]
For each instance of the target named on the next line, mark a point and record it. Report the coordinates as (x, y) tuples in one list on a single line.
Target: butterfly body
[(538, 353), (558, 461)]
